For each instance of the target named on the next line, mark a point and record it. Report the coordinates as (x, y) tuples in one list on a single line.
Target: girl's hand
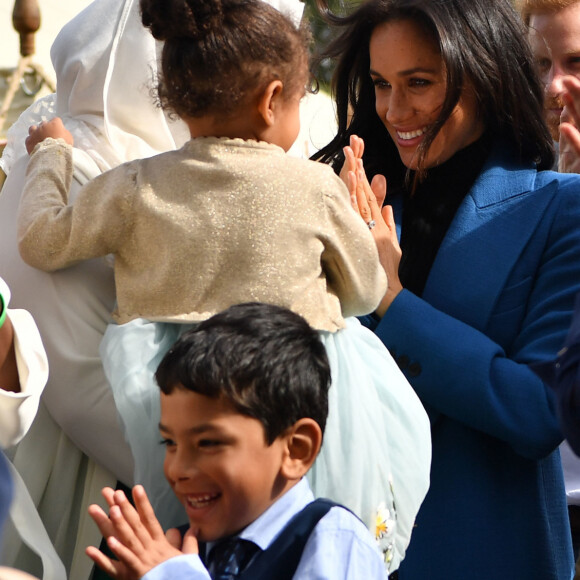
[(135, 536), (352, 153), (367, 200), (53, 128)]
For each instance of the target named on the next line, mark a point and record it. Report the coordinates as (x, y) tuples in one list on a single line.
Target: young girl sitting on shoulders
[(230, 218)]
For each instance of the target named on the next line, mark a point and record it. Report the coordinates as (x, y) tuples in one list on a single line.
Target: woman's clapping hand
[(367, 200)]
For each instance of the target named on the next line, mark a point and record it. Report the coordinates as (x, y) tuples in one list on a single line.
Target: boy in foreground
[(243, 408)]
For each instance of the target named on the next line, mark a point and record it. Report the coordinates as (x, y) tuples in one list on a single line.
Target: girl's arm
[(53, 234)]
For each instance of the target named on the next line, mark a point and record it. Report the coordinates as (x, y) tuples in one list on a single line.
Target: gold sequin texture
[(217, 222)]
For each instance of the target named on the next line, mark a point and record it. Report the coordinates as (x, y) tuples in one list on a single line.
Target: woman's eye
[(209, 443), (381, 84), (419, 83)]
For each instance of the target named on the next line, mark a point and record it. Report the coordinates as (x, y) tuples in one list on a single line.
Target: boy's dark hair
[(265, 360), (219, 53)]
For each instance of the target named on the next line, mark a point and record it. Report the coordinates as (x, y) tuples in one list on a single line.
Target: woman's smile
[(405, 136)]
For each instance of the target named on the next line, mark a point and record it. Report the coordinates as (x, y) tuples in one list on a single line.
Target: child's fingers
[(357, 145), (109, 494), (361, 199), (105, 563), (102, 520), (190, 543), (352, 184), (136, 529), (173, 536), (145, 511), (128, 529), (130, 560), (348, 165)]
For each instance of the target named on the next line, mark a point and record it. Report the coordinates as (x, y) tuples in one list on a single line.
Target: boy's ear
[(268, 101), (303, 444)]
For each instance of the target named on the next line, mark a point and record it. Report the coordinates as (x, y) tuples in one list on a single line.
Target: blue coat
[(563, 375), (6, 493), (500, 295)]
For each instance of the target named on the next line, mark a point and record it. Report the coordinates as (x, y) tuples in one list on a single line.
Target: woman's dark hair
[(264, 359), (218, 53), (482, 42)]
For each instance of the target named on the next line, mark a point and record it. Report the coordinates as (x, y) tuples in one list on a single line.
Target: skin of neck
[(244, 123)]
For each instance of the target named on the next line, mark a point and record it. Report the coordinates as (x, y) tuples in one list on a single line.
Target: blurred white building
[(317, 113)]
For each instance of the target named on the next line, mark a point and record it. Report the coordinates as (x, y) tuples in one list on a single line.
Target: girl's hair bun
[(194, 19)]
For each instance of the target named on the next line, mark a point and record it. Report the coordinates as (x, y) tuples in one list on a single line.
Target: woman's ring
[(371, 224)]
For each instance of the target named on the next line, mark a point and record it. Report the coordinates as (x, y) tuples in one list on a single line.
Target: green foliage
[(322, 34)]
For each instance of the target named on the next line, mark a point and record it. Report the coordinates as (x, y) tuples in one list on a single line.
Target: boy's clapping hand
[(135, 536)]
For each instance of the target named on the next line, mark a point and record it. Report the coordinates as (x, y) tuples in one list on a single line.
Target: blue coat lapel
[(487, 236)]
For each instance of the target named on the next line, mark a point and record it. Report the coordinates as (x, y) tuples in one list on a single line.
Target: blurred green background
[(321, 33)]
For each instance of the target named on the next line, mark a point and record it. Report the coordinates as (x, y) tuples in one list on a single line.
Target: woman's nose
[(398, 108)]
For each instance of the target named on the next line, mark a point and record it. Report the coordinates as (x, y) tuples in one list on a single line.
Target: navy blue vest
[(283, 555)]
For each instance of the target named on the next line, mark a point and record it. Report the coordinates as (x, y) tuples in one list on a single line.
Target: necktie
[(228, 559)]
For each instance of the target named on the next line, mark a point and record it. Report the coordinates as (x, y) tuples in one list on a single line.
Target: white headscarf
[(106, 64), (293, 9)]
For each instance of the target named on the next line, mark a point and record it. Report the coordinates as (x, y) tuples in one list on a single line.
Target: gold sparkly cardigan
[(217, 222)]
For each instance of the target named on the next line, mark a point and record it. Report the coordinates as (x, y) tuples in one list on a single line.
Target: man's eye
[(543, 64), (167, 442)]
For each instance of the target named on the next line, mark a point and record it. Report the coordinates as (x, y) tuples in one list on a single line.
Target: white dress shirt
[(339, 547)]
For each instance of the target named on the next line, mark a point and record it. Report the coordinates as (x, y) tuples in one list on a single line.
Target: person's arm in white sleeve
[(23, 371)]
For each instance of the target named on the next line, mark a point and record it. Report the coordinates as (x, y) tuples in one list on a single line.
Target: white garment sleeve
[(17, 410), (188, 566)]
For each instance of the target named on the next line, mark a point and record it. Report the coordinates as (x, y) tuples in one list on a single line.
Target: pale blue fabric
[(131, 353), (376, 450), (339, 548)]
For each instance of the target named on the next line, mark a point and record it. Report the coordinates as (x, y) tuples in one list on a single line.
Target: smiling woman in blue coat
[(481, 245)]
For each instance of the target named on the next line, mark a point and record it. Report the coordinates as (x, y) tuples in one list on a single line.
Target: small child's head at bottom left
[(244, 401)]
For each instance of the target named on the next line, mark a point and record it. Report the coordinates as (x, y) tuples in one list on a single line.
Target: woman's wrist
[(387, 300)]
